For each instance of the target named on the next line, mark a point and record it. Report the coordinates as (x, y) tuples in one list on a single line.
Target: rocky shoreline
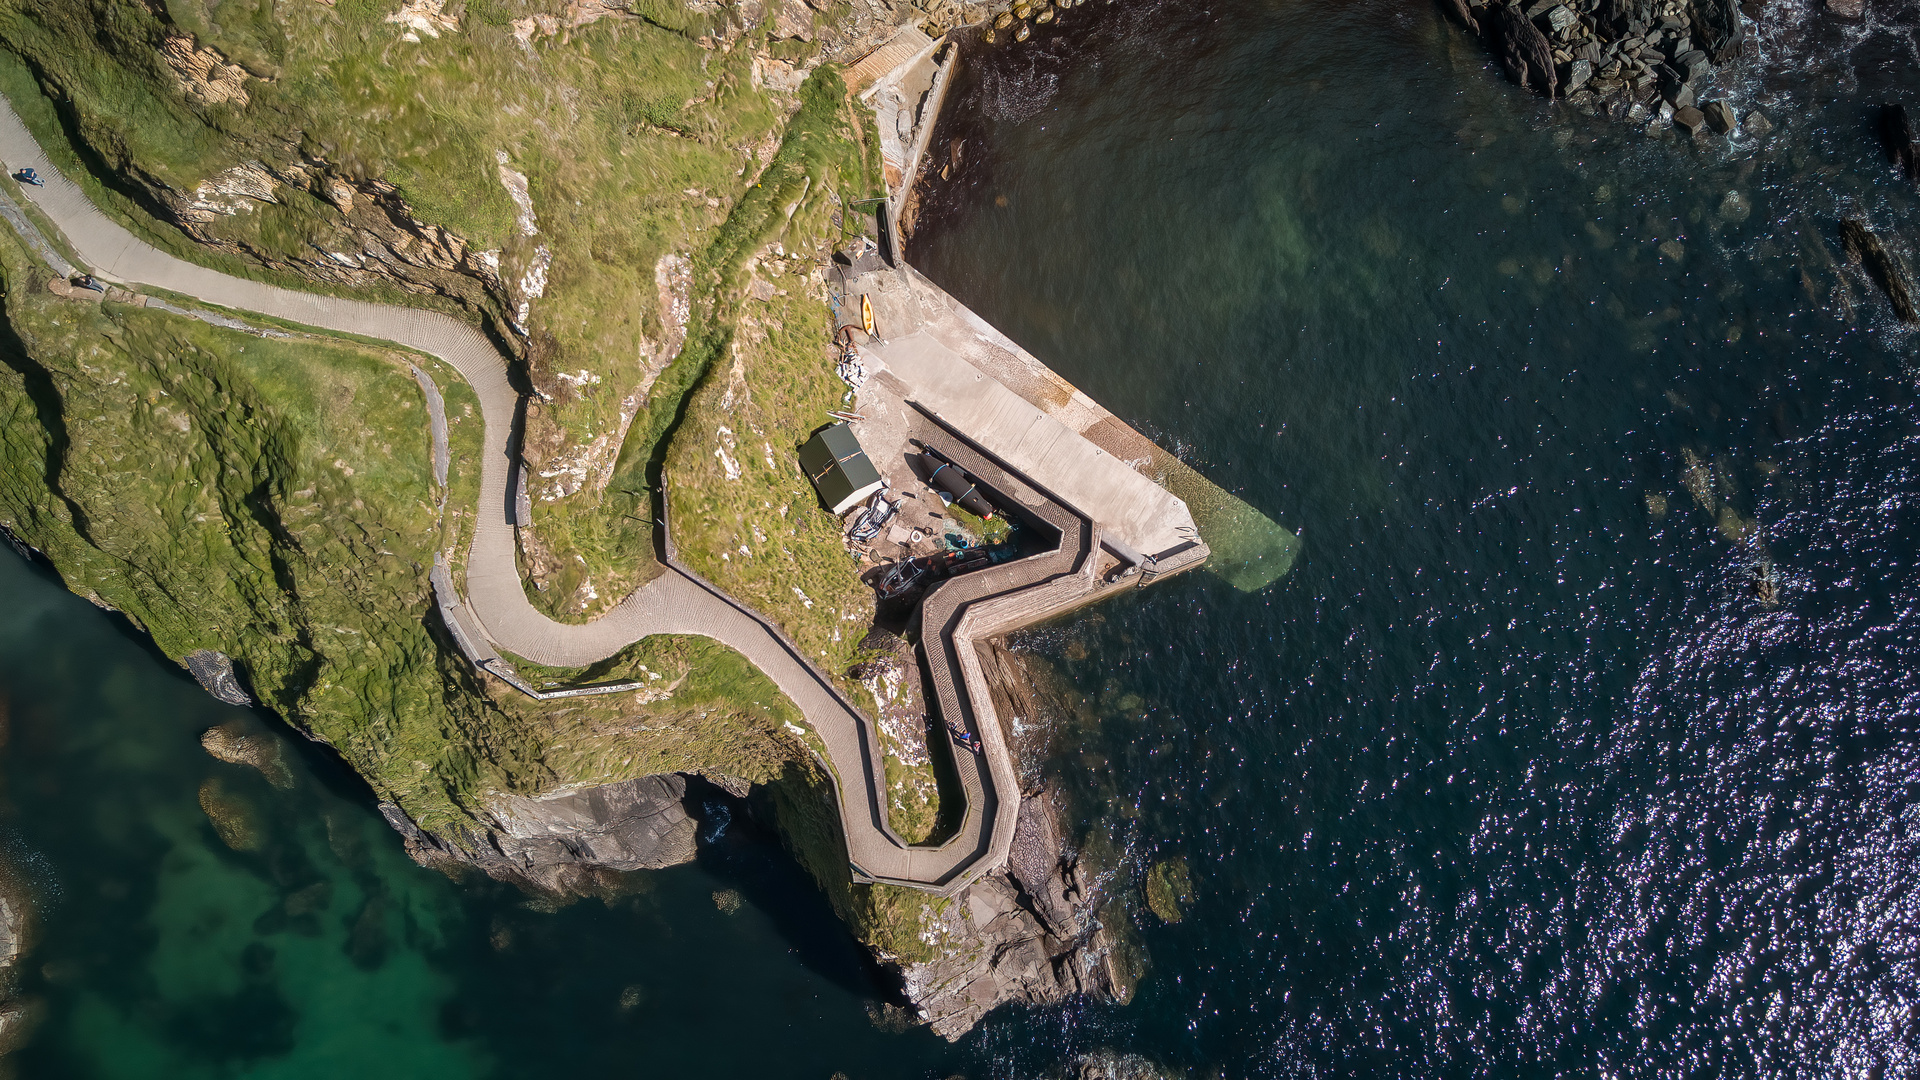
[(1631, 60), (1030, 933)]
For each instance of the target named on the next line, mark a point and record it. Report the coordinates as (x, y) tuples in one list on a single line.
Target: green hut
[(839, 469)]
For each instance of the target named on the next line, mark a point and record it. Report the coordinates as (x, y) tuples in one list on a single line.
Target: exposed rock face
[(17, 1014), (553, 844), (1718, 29), (202, 74), (1112, 1065), (1720, 117), (1866, 251), (1024, 936), (1525, 52), (373, 237), (213, 670)]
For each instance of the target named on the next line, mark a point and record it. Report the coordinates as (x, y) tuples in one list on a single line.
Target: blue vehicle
[(27, 176)]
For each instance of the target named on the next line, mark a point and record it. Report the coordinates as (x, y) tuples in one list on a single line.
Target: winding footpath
[(674, 603)]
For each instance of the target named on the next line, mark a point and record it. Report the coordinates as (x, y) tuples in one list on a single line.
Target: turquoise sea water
[(325, 952), (1514, 775)]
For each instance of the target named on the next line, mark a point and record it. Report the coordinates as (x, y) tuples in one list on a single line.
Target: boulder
[(639, 824), (1851, 10), (1896, 134), (1686, 116), (1867, 252), (242, 744), (1463, 14), (1560, 18), (1525, 53), (1757, 123), (1720, 117), (1578, 73), (213, 670), (1679, 95)]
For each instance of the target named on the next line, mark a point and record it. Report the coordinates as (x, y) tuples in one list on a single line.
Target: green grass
[(614, 127), (823, 152), (245, 532), (272, 498)]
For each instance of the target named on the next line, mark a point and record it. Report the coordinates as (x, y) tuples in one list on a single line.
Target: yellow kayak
[(866, 315)]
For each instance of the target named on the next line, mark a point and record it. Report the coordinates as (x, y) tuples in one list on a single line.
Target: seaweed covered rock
[(1169, 889), (236, 744)]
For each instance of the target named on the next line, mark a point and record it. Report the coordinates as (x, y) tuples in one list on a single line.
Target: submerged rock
[(1169, 889), (1866, 251), (1757, 123), (232, 816), (1720, 117), (1851, 10), (234, 744)]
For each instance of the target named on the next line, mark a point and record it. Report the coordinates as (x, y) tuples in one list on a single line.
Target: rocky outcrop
[(235, 744), (213, 670), (1524, 51), (556, 844), (1616, 56), (1113, 1065), (1885, 268), (201, 74), (364, 232), (17, 1013), (1023, 936)]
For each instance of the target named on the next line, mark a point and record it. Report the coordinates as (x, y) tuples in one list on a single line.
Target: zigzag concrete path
[(673, 603)]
